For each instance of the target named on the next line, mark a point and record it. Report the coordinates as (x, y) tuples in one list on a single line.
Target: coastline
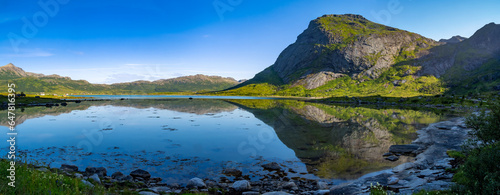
[(429, 169)]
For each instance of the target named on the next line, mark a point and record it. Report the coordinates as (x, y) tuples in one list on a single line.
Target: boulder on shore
[(139, 173)]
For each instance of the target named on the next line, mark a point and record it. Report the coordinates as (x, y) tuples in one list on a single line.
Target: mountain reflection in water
[(177, 139)]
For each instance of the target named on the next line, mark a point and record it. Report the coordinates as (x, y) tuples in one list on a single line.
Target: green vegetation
[(32, 181), (349, 28), (31, 83), (482, 80), (397, 81), (480, 171)]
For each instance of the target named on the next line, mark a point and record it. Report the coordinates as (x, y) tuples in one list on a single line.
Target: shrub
[(480, 173)]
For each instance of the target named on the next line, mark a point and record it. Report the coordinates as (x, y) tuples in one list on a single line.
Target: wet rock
[(272, 166), (101, 171), (232, 172), (196, 183), (392, 180), (43, 169), (403, 149), (322, 185), (139, 173), (69, 168), (242, 185), (95, 177), (392, 158)]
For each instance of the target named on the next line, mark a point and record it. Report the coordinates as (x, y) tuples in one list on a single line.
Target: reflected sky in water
[(178, 139)]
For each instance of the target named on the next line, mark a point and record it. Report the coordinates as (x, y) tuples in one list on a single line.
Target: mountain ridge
[(350, 55), (34, 82)]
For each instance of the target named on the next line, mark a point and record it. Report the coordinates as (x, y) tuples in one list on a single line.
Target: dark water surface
[(177, 139)]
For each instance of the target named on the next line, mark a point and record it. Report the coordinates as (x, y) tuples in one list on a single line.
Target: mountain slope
[(472, 65), (334, 46), (340, 55), (180, 84), (36, 83)]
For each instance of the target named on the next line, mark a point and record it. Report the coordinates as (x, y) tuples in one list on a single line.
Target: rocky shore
[(428, 171)]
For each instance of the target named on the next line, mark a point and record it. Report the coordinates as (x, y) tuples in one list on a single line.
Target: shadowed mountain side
[(340, 142)]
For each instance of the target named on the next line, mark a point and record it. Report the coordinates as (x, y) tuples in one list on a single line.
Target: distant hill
[(35, 83), (340, 55), (454, 39)]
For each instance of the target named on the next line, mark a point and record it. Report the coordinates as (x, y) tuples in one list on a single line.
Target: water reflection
[(177, 139)]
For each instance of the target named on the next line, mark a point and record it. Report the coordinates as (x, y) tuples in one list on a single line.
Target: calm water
[(172, 96), (177, 139)]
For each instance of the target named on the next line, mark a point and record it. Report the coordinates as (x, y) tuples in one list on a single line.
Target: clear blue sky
[(110, 41)]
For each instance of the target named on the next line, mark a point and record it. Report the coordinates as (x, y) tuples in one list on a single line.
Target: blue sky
[(121, 40)]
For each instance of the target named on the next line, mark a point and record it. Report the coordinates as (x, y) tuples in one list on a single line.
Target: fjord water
[(178, 139)]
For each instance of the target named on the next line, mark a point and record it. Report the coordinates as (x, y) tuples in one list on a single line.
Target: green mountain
[(340, 55), (36, 83)]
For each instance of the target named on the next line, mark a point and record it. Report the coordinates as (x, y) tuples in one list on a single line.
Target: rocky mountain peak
[(344, 45), (454, 39), (12, 70)]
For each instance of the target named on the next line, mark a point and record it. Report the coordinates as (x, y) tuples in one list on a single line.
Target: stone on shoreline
[(272, 166), (241, 185), (196, 183), (139, 173), (87, 183), (322, 185), (403, 167), (95, 177), (392, 180), (101, 171), (232, 172), (403, 149), (117, 175), (69, 168), (290, 185), (392, 158)]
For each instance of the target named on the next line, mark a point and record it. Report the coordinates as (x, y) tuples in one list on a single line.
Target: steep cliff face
[(345, 45)]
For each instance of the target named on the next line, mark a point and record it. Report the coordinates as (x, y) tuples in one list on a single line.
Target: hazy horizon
[(112, 42)]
